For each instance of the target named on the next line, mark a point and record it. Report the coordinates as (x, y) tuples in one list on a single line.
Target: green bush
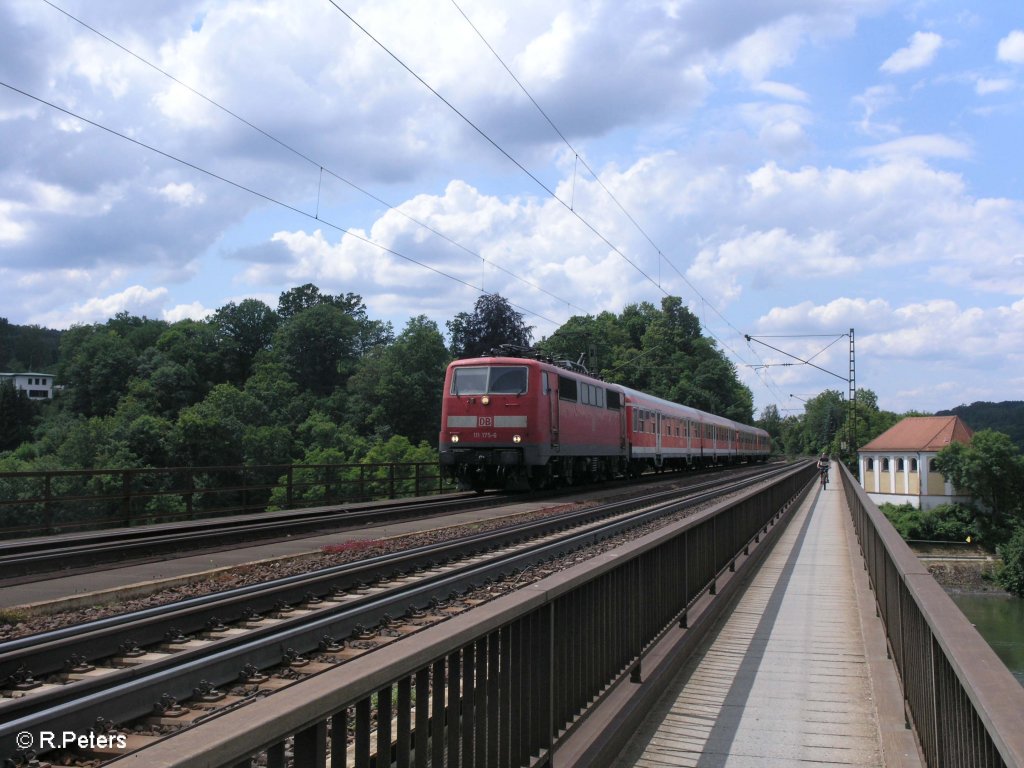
[(905, 518), (1011, 575), (948, 522)]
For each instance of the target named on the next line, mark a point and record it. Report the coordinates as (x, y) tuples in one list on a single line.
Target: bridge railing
[(966, 706), (50, 501), (504, 684)]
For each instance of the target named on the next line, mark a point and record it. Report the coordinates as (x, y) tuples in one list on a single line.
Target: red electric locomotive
[(519, 423)]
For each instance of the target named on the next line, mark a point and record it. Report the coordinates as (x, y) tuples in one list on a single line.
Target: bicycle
[(823, 472)]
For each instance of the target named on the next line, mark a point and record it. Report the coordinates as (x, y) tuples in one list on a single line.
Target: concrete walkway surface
[(786, 678)]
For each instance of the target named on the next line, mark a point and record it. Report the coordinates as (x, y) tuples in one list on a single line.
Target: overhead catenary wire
[(495, 144), (580, 159), (322, 169), (261, 195)]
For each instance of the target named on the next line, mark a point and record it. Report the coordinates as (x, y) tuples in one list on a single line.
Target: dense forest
[(28, 347), (314, 380), (317, 381), (1006, 417)]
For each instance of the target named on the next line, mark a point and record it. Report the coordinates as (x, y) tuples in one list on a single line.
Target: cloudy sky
[(793, 169)]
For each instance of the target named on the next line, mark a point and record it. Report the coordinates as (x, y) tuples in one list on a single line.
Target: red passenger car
[(517, 423)]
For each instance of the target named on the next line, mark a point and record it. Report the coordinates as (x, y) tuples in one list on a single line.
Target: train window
[(567, 389), (482, 380), (600, 396), (510, 380), (614, 403), (470, 381)]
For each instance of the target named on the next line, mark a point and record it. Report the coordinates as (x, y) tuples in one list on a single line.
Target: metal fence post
[(47, 504), (190, 492), (126, 498), (288, 488)]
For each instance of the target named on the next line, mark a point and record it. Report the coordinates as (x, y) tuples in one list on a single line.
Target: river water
[(1000, 620)]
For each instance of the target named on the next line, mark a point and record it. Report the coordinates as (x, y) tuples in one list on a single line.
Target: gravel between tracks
[(345, 551)]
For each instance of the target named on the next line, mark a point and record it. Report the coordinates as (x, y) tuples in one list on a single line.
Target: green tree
[(271, 384), (396, 390), (17, 415), (269, 444), (681, 365), (140, 332), (299, 299), (319, 432), (164, 385), (823, 422), (396, 450), (946, 522), (242, 331), (771, 421), (147, 436), (1011, 575), (990, 469), (96, 366), (659, 351), (869, 421), (212, 432), (319, 347), (193, 345), (600, 342), (492, 323)]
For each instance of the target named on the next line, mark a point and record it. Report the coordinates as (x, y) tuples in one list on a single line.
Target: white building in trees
[(896, 467)]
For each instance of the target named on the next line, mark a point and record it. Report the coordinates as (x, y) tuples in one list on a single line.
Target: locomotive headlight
[(455, 438), (517, 438), (485, 400)]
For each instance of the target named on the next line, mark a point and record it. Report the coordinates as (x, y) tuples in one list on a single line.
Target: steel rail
[(57, 555), (122, 691), (46, 653)]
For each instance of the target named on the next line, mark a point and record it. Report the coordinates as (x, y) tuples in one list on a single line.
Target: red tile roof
[(922, 433)]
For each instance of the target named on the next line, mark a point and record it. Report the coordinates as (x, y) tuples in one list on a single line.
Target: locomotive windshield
[(486, 380)]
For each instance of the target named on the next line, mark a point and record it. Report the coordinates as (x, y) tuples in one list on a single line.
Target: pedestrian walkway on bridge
[(796, 672)]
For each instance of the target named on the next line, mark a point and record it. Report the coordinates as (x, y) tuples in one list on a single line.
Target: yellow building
[(896, 467)]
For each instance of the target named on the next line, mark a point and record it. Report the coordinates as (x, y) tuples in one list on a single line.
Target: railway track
[(22, 560), (122, 667)]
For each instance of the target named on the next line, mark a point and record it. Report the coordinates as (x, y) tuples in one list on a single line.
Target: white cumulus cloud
[(922, 50), (1011, 48)]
